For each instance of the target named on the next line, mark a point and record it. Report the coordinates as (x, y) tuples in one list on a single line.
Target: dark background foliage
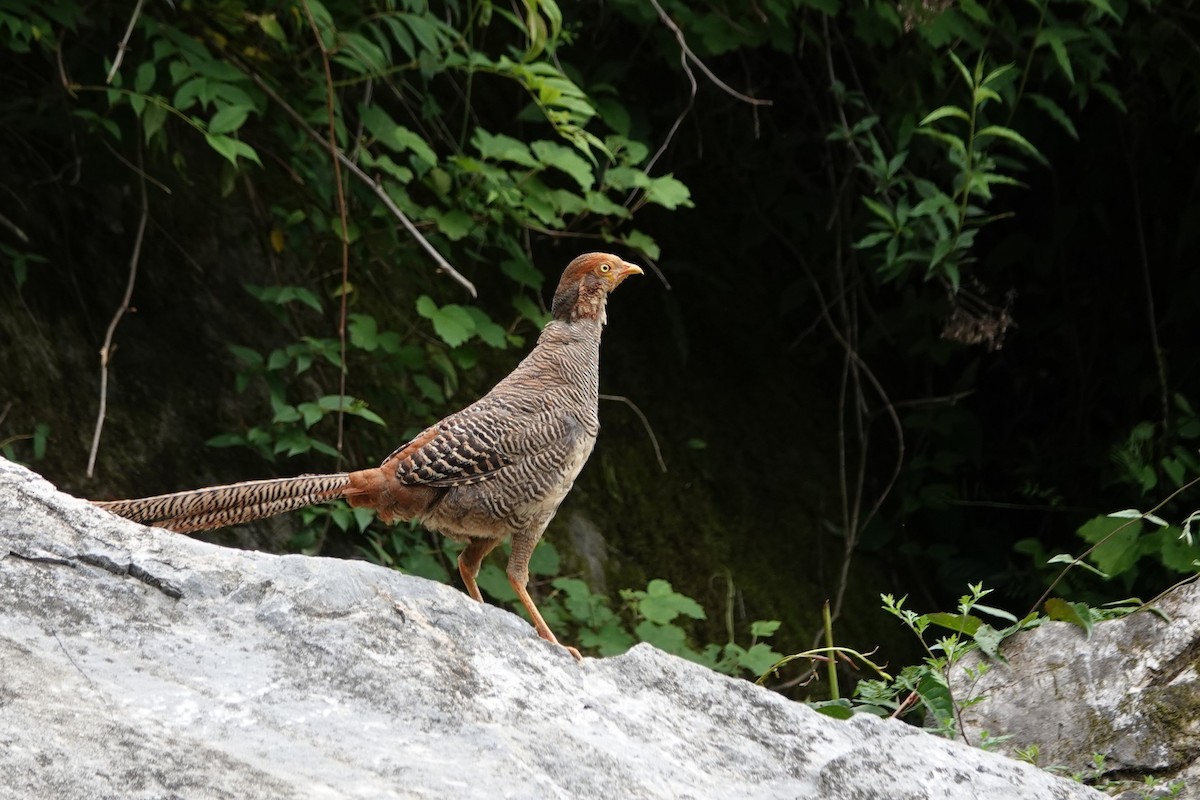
[(881, 348)]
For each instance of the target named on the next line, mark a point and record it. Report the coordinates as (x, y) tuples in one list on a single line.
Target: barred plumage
[(231, 504), (498, 468)]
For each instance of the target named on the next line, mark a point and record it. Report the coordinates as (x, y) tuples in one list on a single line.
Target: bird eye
[(605, 267)]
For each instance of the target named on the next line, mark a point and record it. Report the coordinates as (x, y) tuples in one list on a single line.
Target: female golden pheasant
[(498, 468)]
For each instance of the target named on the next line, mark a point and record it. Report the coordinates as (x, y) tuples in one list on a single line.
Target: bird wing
[(455, 452)]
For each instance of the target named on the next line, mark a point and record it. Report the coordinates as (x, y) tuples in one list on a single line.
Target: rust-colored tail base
[(219, 506)]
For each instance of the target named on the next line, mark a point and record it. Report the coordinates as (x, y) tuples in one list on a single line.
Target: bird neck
[(576, 304), (574, 347)]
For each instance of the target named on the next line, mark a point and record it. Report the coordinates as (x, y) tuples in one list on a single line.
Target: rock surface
[(137, 663), (1130, 692)]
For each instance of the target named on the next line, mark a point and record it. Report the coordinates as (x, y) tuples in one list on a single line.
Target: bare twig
[(683, 62), (124, 45), (358, 172), (62, 69), (8, 223), (1160, 361), (645, 424), (1050, 589), (106, 350), (686, 55), (134, 167), (345, 237), (670, 23)]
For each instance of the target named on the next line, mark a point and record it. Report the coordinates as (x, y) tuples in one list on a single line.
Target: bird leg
[(518, 577), (518, 585), (470, 559)]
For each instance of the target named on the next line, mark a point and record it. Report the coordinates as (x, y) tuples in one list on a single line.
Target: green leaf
[(545, 560), (600, 204), (364, 332), (452, 323), (669, 192), (962, 68), (271, 27), (943, 112), (429, 390), (643, 243), (563, 158), (144, 79), (1053, 37), (988, 639), (521, 270), (499, 147), (231, 149), (956, 622), (394, 136), (872, 239), (408, 140), (999, 613), (487, 330), (880, 211), (661, 603), (1074, 613), (187, 94), (626, 178), (455, 224), (228, 119), (759, 659), (1009, 134), (955, 142), (995, 74), (1064, 558), (935, 696), (226, 440), (838, 709), (41, 435), (1116, 541), (668, 638), (1106, 7), (761, 629), (526, 308), (247, 356), (153, 120)]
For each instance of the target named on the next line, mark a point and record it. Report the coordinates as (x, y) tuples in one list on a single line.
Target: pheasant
[(499, 468)]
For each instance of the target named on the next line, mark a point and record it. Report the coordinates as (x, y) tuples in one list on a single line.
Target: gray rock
[(1129, 693), (137, 663)]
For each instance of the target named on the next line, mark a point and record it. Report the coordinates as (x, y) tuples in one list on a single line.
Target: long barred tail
[(219, 506)]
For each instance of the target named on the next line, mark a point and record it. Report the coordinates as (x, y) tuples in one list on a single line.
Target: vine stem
[(686, 55), (345, 235), (123, 45), (354, 169), (106, 350)]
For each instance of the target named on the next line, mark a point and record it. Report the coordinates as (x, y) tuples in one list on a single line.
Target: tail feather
[(218, 506)]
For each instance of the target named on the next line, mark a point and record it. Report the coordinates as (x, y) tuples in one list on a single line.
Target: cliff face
[(137, 663)]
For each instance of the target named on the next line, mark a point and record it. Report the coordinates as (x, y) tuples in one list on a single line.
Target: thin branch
[(106, 350), (134, 167), (5, 222), (1160, 361), (670, 23), (345, 237), (356, 171), (645, 424), (686, 55), (124, 45), (678, 120), (1063, 573)]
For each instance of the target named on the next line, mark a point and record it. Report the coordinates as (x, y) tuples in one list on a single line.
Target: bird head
[(586, 283)]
